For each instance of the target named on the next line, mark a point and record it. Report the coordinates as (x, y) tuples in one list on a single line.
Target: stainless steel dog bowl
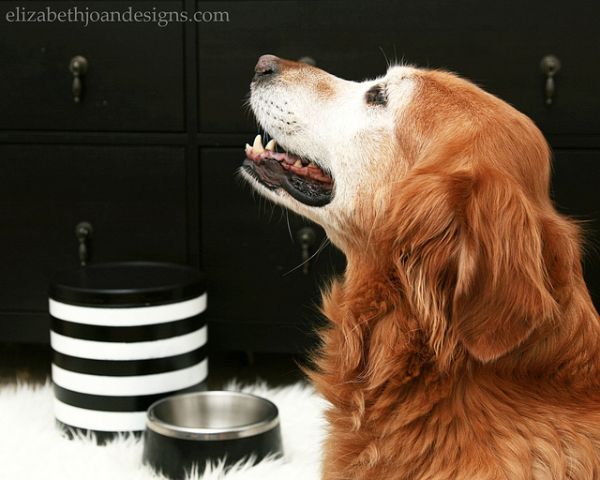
[(187, 429)]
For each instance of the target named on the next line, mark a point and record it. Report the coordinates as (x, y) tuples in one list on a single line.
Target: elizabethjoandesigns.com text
[(86, 16)]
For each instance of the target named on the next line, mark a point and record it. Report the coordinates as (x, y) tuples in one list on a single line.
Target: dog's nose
[(267, 66)]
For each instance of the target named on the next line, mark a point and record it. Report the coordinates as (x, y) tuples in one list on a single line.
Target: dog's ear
[(502, 290), (470, 260)]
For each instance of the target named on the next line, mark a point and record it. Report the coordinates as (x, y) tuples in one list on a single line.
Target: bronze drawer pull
[(84, 232), (550, 66), (307, 237), (78, 67)]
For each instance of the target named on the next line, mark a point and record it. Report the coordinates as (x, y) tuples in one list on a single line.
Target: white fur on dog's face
[(329, 120)]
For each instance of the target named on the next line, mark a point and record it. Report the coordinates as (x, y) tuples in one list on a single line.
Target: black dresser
[(148, 155)]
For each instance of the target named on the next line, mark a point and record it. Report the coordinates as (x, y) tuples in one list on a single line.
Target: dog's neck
[(377, 342), (374, 344)]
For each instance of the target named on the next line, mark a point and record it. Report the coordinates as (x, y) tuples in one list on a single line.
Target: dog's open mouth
[(304, 180)]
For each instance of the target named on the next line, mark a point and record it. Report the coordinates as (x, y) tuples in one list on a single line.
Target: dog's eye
[(376, 95)]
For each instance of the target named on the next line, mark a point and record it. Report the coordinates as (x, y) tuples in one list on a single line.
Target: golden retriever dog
[(462, 340)]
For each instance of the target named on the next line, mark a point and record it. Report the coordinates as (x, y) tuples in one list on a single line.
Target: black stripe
[(101, 437), (103, 403), (121, 368), (143, 333)]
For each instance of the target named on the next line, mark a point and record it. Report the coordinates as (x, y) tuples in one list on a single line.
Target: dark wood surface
[(576, 178), (149, 156), (133, 196), (134, 82), (498, 45)]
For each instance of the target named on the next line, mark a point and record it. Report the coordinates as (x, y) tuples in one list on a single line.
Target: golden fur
[(463, 343)]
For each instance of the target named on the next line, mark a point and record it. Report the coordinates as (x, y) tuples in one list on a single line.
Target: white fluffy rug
[(31, 447)]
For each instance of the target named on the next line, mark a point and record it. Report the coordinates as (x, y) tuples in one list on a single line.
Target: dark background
[(149, 156)]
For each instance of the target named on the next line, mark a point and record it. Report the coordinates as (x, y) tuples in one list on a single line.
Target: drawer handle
[(78, 67), (307, 237), (550, 66), (83, 232)]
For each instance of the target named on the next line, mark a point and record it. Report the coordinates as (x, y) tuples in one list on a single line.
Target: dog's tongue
[(295, 164)]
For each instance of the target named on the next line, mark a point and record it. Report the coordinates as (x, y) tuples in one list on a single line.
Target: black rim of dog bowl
[(264, 416)]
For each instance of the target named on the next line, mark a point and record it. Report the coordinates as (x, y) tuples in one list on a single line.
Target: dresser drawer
[(575, 180), (498, 45), (252, 256), (134, 197), (134, 77)]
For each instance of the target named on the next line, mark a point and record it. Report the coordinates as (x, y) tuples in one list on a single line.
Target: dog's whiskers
[(324, 243), (387, 61), (287, 218)]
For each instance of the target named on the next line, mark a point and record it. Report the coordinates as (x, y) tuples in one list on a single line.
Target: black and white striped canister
[(124, 335)]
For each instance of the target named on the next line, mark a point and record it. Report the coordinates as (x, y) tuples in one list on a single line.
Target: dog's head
[(424, 172), (338, 140)]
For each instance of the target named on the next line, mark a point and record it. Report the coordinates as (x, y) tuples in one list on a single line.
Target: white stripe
[(166, 347), (97, 420), (130, 385), (127, 317)]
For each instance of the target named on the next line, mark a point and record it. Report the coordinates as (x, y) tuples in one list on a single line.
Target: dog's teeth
[(312, 164), (298, 163), (258, 146), (270, 145), (248, 147)]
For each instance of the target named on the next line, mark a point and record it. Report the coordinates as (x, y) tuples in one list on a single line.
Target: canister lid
[(127, 284)]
